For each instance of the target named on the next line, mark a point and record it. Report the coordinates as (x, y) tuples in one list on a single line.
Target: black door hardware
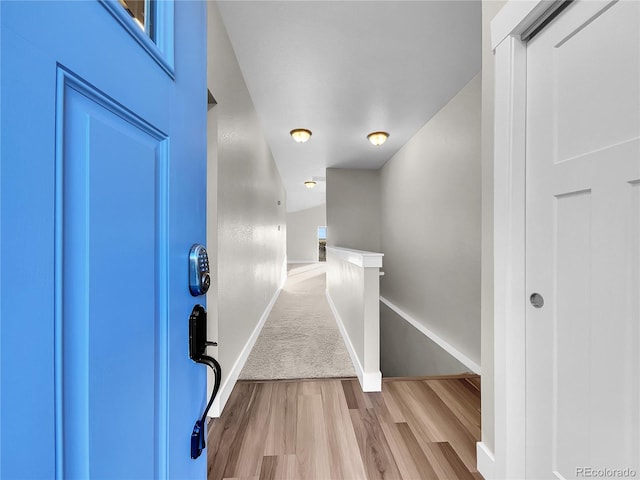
[(197, 351)]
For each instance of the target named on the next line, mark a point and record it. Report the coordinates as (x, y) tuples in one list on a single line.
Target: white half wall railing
[(353, 292)]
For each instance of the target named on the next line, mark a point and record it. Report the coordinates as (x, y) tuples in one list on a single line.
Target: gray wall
[(353, 209), (251, 249), (423, 211), (489, 10), (430, 197), (302, 233), (406, 352)]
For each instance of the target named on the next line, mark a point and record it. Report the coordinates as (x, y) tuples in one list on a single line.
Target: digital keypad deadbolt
[(199, 277)]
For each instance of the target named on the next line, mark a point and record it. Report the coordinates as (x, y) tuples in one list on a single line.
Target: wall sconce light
[(309, 184), (378, 138), (300, 135)]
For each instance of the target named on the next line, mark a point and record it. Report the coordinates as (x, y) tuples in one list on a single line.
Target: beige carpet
[(300, 339)]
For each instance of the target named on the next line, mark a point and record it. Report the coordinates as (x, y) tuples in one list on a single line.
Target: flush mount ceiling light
[(300, 135), (309, 184), (378, 138)]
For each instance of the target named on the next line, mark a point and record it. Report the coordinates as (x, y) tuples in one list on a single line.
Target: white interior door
[(583, 243)]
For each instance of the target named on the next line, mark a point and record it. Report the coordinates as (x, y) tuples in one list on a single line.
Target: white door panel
[(583, 248)]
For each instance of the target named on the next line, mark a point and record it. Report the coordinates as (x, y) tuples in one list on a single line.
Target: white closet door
[(583, 243)]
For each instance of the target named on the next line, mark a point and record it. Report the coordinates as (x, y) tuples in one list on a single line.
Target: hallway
[(300, 339), (284, 421)]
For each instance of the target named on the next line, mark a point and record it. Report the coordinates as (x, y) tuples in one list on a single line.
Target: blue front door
[(102, 176)]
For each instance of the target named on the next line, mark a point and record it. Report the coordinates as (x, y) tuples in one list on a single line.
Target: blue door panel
[(102, 51), (109, 376), (189, 103), (102, 192), (26, 276), (125, 383)]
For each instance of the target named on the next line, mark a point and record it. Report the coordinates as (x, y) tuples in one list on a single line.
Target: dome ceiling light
[(309, 184), (300, 135), (378, 138)]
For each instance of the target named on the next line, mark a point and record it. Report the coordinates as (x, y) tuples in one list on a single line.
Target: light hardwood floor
[(328, 429)]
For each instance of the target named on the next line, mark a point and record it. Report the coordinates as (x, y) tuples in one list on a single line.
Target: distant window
[(322, 244)]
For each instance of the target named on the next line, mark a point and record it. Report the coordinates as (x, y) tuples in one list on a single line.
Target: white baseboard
[(302, 261), (227, 386), (446, 346), (486, 461), (369, 381)]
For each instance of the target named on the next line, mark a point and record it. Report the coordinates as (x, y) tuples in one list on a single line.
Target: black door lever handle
[(197, 347)]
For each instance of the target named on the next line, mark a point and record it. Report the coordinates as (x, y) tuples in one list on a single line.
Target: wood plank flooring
[(328, 429)]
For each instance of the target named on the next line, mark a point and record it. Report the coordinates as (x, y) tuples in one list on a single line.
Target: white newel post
[(353, 291)]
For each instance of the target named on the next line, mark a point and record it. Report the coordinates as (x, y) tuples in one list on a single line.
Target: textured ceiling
[(344, 69)]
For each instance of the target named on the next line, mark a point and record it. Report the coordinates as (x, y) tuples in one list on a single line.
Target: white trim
[(509, 235), (360, 258), (227, 387), (509, 258), (302, 261), (347, 341), (446, 346), (369, 381), (515, 17), (486, 461)]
